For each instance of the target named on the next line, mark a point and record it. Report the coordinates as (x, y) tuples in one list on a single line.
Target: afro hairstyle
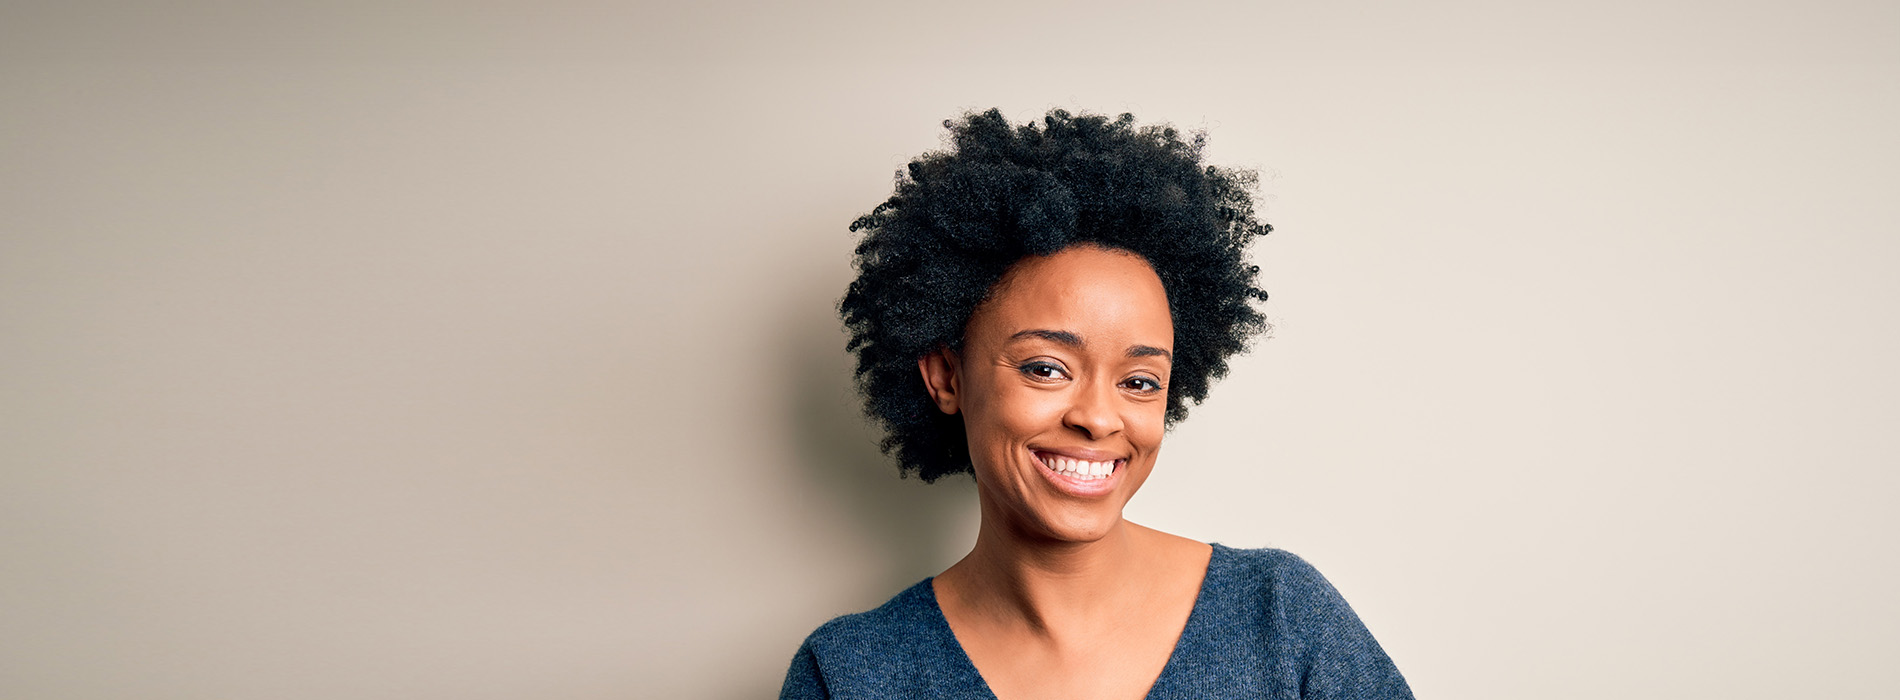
[(960, 217)]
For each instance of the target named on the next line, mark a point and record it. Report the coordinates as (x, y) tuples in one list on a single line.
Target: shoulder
[(888, 627), (1275, 573), (1312, 634), (1266, 561), (899, 649), (1283, 587)]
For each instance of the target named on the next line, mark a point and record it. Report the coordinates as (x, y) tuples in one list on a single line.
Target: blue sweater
[(1266, 625)]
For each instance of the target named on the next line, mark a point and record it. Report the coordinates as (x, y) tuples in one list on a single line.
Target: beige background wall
[(486, 350)]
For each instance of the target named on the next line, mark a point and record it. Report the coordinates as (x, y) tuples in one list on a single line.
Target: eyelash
[(1029, 368)]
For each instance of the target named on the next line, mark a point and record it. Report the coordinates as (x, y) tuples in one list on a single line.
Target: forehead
[(1095, 292)]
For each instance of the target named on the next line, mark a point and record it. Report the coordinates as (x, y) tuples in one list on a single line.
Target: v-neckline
[(967, 667)]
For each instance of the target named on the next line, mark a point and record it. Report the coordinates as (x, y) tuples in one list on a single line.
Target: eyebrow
[(1150, 351), (1075, 341), (1063, 337)]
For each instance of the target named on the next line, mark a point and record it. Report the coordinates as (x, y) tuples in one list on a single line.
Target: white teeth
[(1082, 469)]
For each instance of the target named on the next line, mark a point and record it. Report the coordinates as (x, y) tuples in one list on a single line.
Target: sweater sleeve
[(802, 681)]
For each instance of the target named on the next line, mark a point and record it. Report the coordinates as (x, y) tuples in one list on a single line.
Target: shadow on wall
[(918, 528), (902, 529)]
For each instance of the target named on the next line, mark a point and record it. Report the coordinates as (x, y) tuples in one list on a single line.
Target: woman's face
[(1062, 384)]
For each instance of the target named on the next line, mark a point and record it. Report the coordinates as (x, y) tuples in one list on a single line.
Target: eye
[(1142, 384), (1043, 371)]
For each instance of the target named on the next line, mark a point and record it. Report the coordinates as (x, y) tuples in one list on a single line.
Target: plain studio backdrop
[(488, 350)]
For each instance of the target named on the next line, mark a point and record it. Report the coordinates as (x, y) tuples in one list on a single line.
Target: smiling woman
[(1035, 306)]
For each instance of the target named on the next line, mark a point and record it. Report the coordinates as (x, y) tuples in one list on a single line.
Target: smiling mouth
[(1078, 469)]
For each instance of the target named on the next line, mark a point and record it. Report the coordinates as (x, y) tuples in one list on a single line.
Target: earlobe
[(939, 369)]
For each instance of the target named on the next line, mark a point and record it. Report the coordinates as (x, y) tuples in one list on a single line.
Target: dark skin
[(1061, 383)]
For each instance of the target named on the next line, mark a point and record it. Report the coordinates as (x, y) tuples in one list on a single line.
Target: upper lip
[(1078, 453)]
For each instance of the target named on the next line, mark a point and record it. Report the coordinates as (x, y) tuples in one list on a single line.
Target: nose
[(1094, 410)]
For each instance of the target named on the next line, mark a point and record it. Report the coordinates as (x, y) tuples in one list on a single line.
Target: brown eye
[(1142, 385), (1043, 371)]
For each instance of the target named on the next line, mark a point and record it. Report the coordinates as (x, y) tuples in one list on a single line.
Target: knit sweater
[(1265, 625)]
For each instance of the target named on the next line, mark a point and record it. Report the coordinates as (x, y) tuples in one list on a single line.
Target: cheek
[(1146, 424), (1007, 415)]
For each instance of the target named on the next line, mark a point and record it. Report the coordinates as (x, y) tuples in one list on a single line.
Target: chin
[(1082, 525)]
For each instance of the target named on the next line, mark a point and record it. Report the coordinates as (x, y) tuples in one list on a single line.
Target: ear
[(939, 368)]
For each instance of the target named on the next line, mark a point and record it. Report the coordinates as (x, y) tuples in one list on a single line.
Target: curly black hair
[(960, 217)]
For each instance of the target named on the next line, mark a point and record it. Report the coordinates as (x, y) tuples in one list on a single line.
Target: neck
[(1012, 576)]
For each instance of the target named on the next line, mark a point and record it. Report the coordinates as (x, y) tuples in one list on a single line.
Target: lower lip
[(1080, 488)]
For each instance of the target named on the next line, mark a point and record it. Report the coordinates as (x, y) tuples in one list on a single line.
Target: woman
[(1036, 305)]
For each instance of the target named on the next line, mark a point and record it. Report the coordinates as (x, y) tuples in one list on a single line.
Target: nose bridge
[(1093, 408)]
